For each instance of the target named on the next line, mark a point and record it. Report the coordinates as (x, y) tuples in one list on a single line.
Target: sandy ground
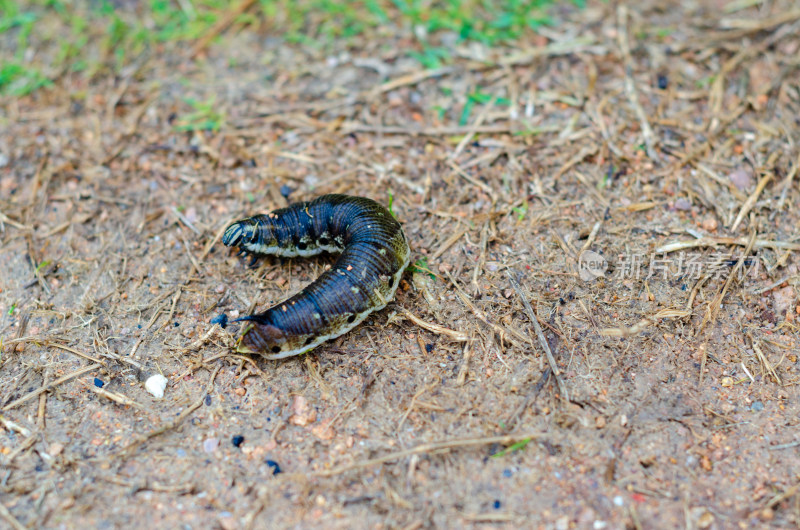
[(634, 171)]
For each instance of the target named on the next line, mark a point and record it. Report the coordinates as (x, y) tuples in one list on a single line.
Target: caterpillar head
[(250, 236), (237, 232)]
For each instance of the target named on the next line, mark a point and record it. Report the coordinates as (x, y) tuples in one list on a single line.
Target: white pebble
[(619, 501), (156, 384), (210, 445)]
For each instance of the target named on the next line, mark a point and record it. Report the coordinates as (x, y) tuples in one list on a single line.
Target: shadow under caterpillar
[(374, 254)]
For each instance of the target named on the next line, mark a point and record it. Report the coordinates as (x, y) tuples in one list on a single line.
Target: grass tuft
[(204, 117)]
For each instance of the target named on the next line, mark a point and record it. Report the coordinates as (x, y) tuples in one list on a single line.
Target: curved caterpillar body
[(374, 253)]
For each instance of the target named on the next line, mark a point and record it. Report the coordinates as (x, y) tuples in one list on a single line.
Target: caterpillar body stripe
[(374, 253)]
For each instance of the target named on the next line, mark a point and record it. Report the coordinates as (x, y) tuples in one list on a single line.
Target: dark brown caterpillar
[(374, 253)]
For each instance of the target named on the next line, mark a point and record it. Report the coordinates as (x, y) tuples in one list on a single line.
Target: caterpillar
[(373, 252)]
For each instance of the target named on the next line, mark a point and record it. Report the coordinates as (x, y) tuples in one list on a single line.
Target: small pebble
[(55, 449), (181, 453), (208, 400), (286, 191), (274, 466), (683, 204), (156, 384), (210, 445), (429, 348), (707, 519), (237, 440), (497, 504), (507, 473), (710, 224), (221, 319), (663, 82), (99, 383), (191, 214), (619, 501), (741, 178), (757, 406)]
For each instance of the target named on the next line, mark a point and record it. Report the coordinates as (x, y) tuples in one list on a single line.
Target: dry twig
[(459, 336), (644, 323), (714, 306), (751, 200), (630, 84), (562, 388), (50, 386), (504, 333), (429, 448), (116, 397), (716, 241), (10, 519)]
